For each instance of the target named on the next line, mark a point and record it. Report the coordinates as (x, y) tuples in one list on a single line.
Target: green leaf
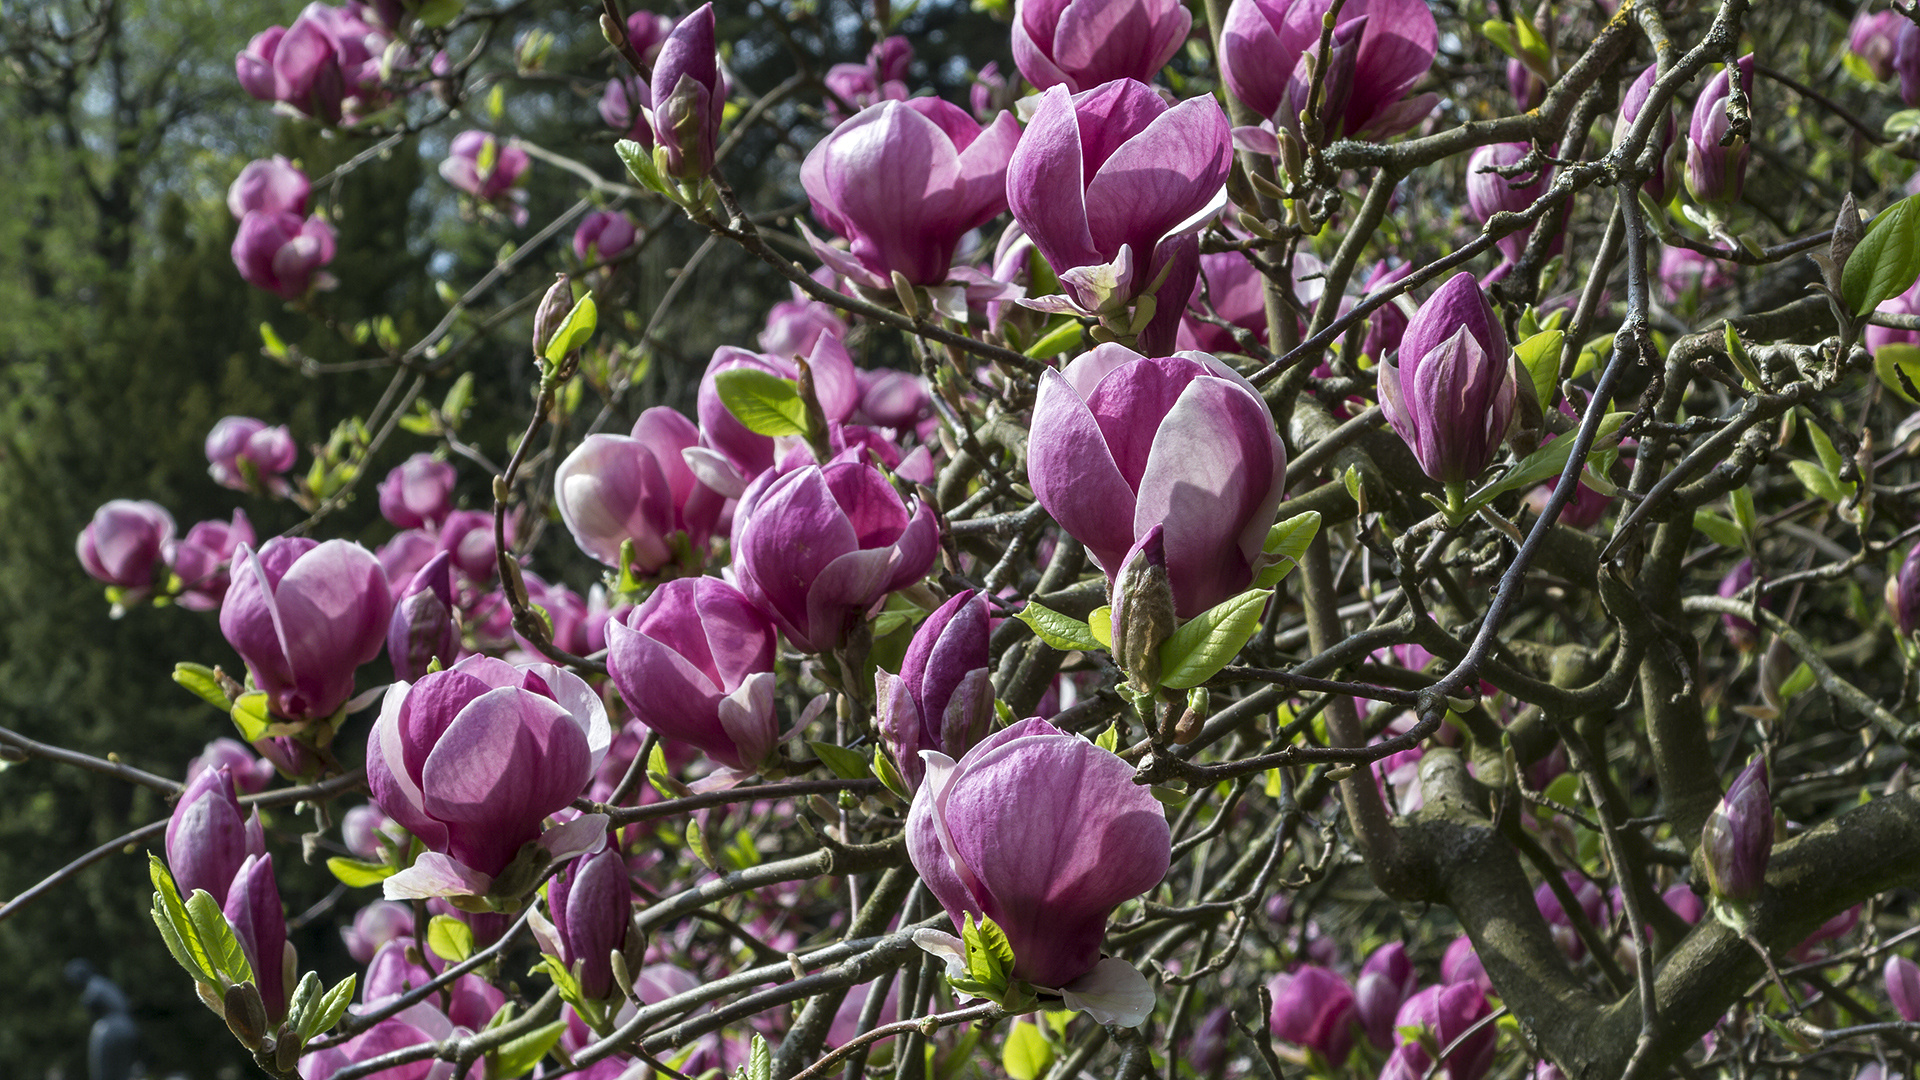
[(1543, 464), (743, 852), (1887, 260), (1540, 355), (1717, 529), (1063, 336), (438, 13), (1742, 360), (331, 1008), (1100, 625), (1898, 366), (766, 403), (176, 928), (885, 771), (1744, 514), (1500, 33), (224, 954), (1800, 680), (697, 841), (657, 775), (1818, 481), (1857, 67), (574, 332), (250, 716), (449, 938), (989, 953), (270, 342), (305, 997), (1823, 446), (759, 1064), (846, 764), (1210, 640), (1063, 632), (639, 162), (1900, 122), (1026, 1055), (1109, 739), (200, 679), (517, 1057), (358, 873), (1288, 540), (563, 979), (459, 396)]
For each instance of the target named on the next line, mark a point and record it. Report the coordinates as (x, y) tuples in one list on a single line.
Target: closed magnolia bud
[(590, 902), (1738, 837), (1143, 612), (1451, 392), (253, 910), (1740, 631), (1903, 599), (1385, 982), (246, 1017), (552, 313), (209, 837), (1903, 987), (689, 95), (1314, 1008), (1716, 167), (422, 629), (942, 699)]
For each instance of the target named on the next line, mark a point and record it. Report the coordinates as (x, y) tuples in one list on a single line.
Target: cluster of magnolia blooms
[(1160, 458)]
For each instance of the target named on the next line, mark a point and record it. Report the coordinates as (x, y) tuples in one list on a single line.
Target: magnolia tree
[(1372, 565)]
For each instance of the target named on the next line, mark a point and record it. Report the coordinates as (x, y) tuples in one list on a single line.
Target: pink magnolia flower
[(616, 488), (278, 252), (904, 181), (1381, 48), (1083, 43), (942, 698), (472, 760), (1122, 443), (1314, 1008), (489, 170), (603, 236), (272, 184), (696, 661), (304, 615), (689, 95), (246, 455), (418, 492), (821, 547), (1105, 181), (1450, 392), (126, 545), (1716, 173), (1044, 833)]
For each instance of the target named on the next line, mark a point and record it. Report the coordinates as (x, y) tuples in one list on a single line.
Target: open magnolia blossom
[(473, 760)]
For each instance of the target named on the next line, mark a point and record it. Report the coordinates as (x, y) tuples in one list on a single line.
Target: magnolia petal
[(948, 948), (584, 835), (1114, 992), (434, 874)]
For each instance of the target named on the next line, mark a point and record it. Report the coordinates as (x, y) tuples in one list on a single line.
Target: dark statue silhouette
[(111, 1043)]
